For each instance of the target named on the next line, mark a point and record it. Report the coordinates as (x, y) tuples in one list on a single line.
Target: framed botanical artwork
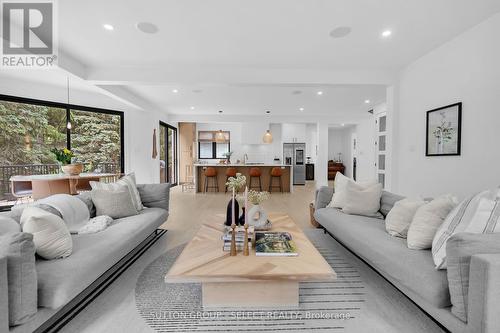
[(444, 129)]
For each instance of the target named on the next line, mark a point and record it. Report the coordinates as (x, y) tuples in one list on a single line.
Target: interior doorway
[(168, 154)]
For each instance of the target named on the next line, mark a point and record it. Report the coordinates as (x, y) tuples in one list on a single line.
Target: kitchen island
[(244, 169)]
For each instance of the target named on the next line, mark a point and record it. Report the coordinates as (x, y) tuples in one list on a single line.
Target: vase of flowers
[(235, 183), (64, 157), (227, 155), (257, 216)]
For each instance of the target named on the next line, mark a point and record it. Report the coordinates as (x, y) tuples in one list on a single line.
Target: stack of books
[(240, 238)]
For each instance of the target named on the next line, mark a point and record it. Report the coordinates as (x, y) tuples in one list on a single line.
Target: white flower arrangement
[(256, 197), (236, 182)]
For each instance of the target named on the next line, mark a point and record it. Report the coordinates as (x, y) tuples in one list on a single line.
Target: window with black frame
[(30, 129), (213, 144)]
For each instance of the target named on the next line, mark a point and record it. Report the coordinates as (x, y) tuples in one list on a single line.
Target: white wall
[(139, 124), (466, 69)]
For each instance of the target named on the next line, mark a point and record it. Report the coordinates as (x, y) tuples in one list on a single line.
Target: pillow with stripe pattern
[(129, 182), (477, 214)]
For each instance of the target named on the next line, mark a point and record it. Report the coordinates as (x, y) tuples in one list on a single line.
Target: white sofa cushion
[(427, 220), (477, 214), (50, 235), (399, 218), (340, 184), (362, 201)]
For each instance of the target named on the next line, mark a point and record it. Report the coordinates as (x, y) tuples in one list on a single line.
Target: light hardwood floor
[(115, 310)]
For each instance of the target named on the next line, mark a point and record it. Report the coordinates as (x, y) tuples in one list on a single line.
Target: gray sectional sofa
[(412, 271), (66, 285)]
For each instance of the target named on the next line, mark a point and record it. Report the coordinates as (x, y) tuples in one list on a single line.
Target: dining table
[(43, 186)]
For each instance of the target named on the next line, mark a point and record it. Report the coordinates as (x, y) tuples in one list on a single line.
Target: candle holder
[(245, 242), (233, 240)]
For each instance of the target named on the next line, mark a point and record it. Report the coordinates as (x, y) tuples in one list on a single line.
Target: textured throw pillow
[(460, 248), (427, 220), (155, 195), (399, 218), (116, 204), (50, 234), (129, 182), (364, 201), (477, 214), (8, 225), (19, 250)]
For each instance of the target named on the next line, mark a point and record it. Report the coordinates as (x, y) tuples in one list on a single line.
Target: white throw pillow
[(129, 182), (427, 220), (364, 201), (477, 214), (340, 184), (399, 218), (50, 235)]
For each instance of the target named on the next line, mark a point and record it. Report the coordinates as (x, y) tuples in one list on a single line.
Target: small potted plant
[(64, 157)]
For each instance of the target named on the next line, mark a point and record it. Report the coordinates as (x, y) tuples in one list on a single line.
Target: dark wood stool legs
[(271, 183), (215, 183), (250, 185)]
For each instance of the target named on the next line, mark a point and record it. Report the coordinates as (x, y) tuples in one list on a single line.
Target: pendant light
[(268, 137), (219, 137), (68, 124)]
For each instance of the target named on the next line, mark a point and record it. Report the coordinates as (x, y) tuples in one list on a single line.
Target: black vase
[(229, 214), (242, 217)]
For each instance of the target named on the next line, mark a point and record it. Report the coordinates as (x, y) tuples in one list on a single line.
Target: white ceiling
[(248, 56), (256, 100), (264, 33)]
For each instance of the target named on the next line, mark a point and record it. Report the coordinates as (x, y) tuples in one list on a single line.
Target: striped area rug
[(323, 306)]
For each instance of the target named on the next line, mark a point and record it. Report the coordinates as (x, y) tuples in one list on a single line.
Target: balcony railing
[(7, 171)]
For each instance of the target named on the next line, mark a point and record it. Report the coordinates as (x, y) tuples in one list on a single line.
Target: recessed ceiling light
[(108, 27), (340, 32), (367, 101), (386, 33), (301, 109), (147, 27), (192, 108), (175, 91), (342, 124), (319, 93)]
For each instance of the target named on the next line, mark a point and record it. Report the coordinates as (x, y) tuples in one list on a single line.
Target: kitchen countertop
[(240, 165)]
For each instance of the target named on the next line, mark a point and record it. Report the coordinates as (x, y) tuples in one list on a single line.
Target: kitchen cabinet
[(293, 133)]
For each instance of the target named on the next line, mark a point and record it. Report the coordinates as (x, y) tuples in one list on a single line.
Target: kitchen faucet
[(245, 158)]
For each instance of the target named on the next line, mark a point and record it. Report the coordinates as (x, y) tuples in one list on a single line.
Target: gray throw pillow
[(116, 203), (86, 197), (155, 195), (19, 250), (387, 201), (459, 249), (323, 197), (8, 224)]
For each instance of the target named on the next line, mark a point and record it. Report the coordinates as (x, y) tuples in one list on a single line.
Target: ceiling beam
[(236, 76)]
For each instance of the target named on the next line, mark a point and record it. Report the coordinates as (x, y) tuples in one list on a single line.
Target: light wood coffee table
[(248, 281)]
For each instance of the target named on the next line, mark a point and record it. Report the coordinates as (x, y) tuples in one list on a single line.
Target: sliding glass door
[(168, 154)]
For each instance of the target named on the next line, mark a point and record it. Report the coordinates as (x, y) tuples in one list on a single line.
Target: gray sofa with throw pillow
[(413, 271), (63, 283)]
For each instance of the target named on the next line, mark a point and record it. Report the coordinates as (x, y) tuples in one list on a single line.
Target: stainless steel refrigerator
[(294, 155)]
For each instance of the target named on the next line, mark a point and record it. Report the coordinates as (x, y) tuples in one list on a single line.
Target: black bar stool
[(255, 173), (276, 173), (211, 173)]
